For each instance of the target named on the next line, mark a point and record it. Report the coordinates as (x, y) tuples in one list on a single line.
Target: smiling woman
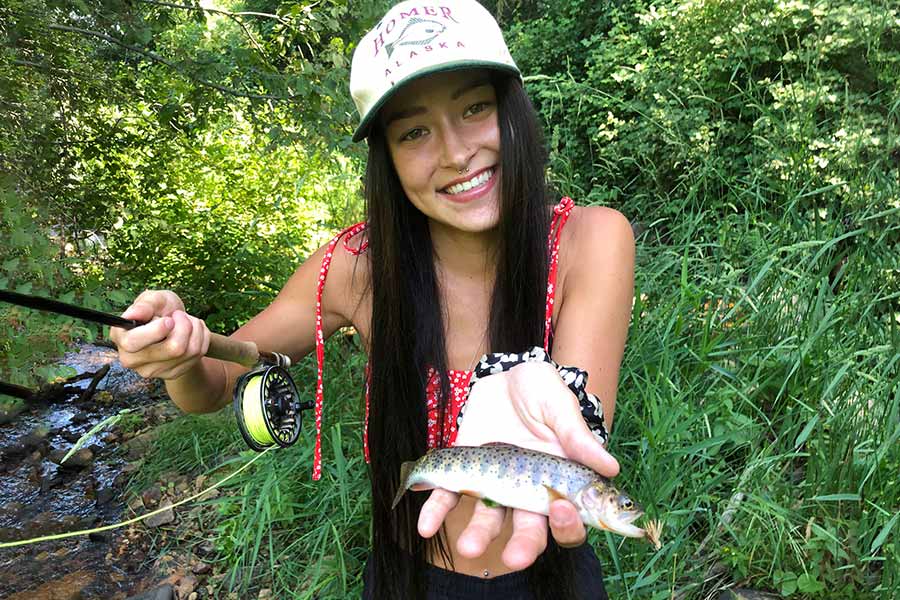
[(464, 254)]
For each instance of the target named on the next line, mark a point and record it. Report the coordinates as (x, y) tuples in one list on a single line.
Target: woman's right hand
[(170, 344)]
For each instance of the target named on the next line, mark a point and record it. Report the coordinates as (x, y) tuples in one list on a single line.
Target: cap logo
[(416, 31)]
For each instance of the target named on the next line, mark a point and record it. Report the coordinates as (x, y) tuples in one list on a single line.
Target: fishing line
[(137, 519)]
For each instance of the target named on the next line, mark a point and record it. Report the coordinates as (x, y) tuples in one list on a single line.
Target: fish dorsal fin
[(554, 493)]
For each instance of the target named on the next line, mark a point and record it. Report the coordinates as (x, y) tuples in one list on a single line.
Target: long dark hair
[(407, 335)]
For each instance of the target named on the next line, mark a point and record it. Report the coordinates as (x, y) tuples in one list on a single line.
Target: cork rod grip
[(236, 351)]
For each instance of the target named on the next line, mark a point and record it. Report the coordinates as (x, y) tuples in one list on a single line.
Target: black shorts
[(447, 585)]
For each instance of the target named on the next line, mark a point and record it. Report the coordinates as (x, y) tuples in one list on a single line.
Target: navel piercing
[(486, 574)]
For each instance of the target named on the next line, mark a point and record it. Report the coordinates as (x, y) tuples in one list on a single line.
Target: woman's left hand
[(531, 407)]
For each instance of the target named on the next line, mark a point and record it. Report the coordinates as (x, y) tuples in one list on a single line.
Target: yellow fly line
[(254, 418), (68, 534)]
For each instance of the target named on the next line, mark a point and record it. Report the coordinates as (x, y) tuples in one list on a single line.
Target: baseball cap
[(419, 38)]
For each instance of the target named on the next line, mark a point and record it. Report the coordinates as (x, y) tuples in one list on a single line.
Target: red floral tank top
[(459, 379)]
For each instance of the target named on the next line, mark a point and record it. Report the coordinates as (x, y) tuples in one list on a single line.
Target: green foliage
[(36, 263)]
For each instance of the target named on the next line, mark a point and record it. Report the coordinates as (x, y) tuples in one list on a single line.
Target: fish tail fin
[(406, 470)]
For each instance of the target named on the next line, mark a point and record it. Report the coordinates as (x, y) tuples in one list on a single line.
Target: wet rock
[(206, 549), (42, 524), (81, 459), (80, 417), (12, 509), (70, 436), (68, 587), (163, 592), (135, 504), (201, 568), (99, 537), (138, 445), (186, 586), (104, 495), (151, 496), (164, 518), (48, 481), (35, 439)]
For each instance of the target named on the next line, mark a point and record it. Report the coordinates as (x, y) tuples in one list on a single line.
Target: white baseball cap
[(418, 38)]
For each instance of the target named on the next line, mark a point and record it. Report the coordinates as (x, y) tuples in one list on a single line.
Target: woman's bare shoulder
[(596, 232), (596, 240)]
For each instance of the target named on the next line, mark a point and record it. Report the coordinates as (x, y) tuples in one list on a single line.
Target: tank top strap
[(350, 233), (561, 214)]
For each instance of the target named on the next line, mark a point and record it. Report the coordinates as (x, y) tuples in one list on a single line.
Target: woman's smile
[(471, 187)]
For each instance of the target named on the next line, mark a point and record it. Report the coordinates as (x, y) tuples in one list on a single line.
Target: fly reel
[(268, 408)]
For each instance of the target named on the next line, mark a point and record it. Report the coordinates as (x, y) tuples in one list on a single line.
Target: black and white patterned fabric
[(574, 378)]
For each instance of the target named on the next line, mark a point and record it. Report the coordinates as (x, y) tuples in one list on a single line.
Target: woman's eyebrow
[(412, 111), (404, 113), (477, 83)]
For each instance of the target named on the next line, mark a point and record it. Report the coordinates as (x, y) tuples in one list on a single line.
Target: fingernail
[(168, 322)]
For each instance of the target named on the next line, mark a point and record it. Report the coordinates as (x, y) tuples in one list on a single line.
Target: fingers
[(435, 510), (483, 527), (166, 347), (139, 338), (578, 443), (529, 538), (153, 303), (528, 541), (566, 525)]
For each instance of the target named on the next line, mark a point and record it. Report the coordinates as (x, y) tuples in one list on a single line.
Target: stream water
[(39, 497)]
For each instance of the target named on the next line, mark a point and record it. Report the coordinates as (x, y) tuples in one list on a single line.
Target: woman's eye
[(476, 108), (413, 134)]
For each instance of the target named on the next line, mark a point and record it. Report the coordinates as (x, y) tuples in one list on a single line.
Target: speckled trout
[(520, 478)]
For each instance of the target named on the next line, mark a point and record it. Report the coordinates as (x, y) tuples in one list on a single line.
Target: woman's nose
[(457, 151)]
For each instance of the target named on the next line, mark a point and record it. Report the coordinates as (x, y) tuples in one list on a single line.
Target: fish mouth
[(621, 523)]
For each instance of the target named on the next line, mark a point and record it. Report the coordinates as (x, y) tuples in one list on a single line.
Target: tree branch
[(157, 58), (234, 16), (227, 13)]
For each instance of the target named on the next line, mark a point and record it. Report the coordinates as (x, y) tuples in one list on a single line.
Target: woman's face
[(436, 127)]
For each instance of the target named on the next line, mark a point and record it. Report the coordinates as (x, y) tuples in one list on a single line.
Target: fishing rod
[(266, 401)]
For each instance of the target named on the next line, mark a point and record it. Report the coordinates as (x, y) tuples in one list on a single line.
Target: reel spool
[(268, 408)]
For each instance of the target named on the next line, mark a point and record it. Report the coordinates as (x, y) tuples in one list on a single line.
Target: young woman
[(463, 255)]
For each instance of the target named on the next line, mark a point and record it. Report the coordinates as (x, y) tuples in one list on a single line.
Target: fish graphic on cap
[(417, 32)]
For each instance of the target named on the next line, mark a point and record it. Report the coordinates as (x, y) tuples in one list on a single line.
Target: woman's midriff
[(490, 561)]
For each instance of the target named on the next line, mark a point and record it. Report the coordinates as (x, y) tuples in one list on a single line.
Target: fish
[(508, 475), (417, 32)]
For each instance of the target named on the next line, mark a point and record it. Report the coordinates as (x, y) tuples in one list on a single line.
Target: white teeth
[(468, 185)]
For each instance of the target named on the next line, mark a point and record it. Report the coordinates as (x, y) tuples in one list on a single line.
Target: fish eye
[(625, 503)]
